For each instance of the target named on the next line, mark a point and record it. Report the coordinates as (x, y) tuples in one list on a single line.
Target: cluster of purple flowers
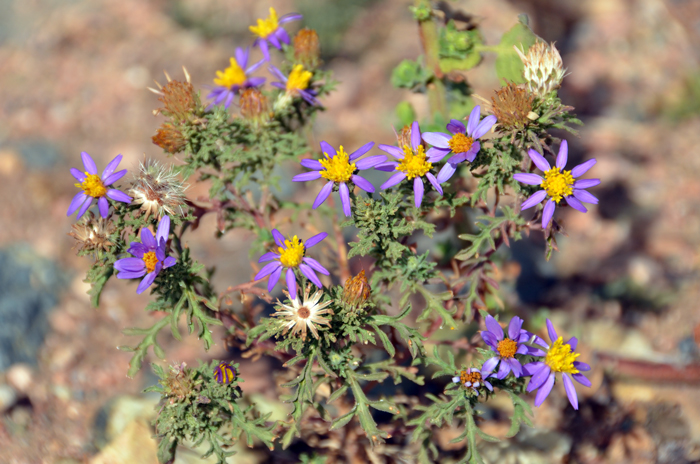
[(557, 356)]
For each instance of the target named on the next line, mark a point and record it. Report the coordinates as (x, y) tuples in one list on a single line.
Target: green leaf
[(343, 420), (509, 67)]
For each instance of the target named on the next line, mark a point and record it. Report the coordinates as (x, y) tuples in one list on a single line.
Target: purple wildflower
[(559, 357), (297, 83), (290, 255), (472, 378), (506, 347), (150, 256), (558, 183), (413, 164), (463, 142), (270, 31), (339, 167), (234, 78), (96, 187)]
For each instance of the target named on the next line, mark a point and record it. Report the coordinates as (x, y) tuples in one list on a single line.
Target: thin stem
[(437, 96)]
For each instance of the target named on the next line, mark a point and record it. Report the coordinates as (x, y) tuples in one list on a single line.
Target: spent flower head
[(149, 256), (180, 100), (472, 379), (558, 183), (95, 187), (306, 48), (157, 190), (304, 314), (558, 357), (291, 255), (92, 234), (356, 290), (339, 168), (512, 107), (234, 78), (254, 106), (414, 163), (544, 69), (270, 31)]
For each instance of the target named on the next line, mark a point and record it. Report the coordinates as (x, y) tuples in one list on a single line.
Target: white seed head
[(544, 69), (158, 190)]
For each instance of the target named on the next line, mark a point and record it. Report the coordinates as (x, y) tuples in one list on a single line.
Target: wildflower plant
[(339, 331)]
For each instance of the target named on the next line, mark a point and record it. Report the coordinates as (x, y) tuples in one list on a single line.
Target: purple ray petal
[(89, 163), (393, 180), (361, 151), (370, 162), (536, 198), (494, 327), (434, 154), (279, 238), (514, 327), (169, 262), (539, 160), (490, 339), (529, 179), (548, 212), (328, 149), (458, 158), (84, 207), (282, 35), (437, 139), (573, 342), (229, 99), (433, 181), (551, 332), (418, 190), (315, 265), (515, 367), (279, 85), (580, 378), (392, 150), (269, 256), (163, 230), (363, 183), (582, 168), (264, 49), (323, 194), (387, 167), (312, 164), (137, 249), (310, 274), (77, 202), (147, 239), (267, 269), (103, 206), (345, 199), (473, 120), (415, 135), (289, 17), (315, 240), (489, 366), (291, 282), (276, 72), (255, 81), (575, 204), (586, 183), (272, 38), (456, 127), (242, 57), (274, 278), (570, 390), (118, 195), (563, 155), (131, 274), (446, 172), (503, 370), (110, 168), (484, 126), (532, 368), (582, 366), (539, 377), (582, 195), (160, 254), (146, 282), (130, 265), (112, 178), (79, 176), (544, 390), (307, 176)]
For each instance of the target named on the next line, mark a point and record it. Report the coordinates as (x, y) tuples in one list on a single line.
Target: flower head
[(558, 357), (414, 163), (512, 106), (304, 315), (169, 138), (149, 256), (234, 78), (356, 290), (270, 31), (339, 167), (544, 69), (91, 234), (291, 255), (306, 47), (96, 187), (225, 372), (296, 84), (180, 101), (473, 379), (158, 190), (558, 183), (254, 106), (463, 142), (505, 347)]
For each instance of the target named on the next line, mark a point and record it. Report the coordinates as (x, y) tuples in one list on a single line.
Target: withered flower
[(179, 383), (307, 48), (304, 314), (181, 102), (92, 234), (357, 290), (169, 138), (254, 106), (512, 106), (158, 190)]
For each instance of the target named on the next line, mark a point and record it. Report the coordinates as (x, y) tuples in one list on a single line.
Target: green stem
[(437, 96)]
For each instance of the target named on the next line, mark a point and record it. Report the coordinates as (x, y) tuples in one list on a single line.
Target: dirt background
[(73, 77)]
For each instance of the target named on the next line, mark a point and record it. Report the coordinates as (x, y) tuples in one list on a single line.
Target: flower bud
[(254, 106), (512, 106), (357, 290), (225, 372), (306, 48), (544, 69)]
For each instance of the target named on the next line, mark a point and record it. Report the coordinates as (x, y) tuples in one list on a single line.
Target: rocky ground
[(73, 77)]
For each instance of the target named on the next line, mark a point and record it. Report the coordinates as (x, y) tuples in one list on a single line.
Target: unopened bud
[(544, 69), (254, 105), (357, 289), (306, 48)]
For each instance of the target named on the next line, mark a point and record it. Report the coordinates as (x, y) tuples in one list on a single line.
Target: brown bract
[(511, 105), (92, 234), (307, 48)]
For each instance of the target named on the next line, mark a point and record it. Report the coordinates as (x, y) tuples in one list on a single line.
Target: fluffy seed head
[(158, 190), (306, 47), (92, 234), (544, 69), (512, 105)]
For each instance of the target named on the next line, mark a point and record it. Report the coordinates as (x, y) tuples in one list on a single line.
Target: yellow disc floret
[(414, 163), (472, 377), (93, 186), (267, 26), (558, 183), (560, 358), (292, 255), (233, 75), (338, 168), (460, 143), (507, 348), (298, 79), (150, 260)]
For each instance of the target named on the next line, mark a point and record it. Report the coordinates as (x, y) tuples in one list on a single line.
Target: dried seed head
[(306, 48), (92, 234), (169, 138), (544, 69), (179, 383), (357, 290), (254, 105), (181, 102), (512, 106), (158, 190)]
